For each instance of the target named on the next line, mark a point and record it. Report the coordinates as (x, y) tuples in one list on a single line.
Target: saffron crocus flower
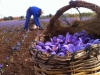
[(1, 65), (53, 52), (86, 40), (55, 47), (60, 36), (7, 57), (70, 47), (59, 45), (60, 39), (40, 43), (97, 41), (13, 48), (83, 32), (18, 44), (61, 54), (80, 47), (90, 41), (42, 50), (22, 41), (38, 47), (63, 49), (47, 47), (68, 38), (76, 34), (17, 47), (80, 41), (54, 39), (48, 43)]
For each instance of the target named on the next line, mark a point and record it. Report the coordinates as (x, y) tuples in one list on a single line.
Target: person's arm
[(37, 22)]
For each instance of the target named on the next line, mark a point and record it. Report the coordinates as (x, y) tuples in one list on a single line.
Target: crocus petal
[(53, 52), (71, 48), (54, 39), (38, 47), (40, 43), (47, 47), (48, 43), (60, 36), (97, 41), (61, 54), (1, 65)]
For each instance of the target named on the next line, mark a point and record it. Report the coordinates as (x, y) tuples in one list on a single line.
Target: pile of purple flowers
[(61, 44)]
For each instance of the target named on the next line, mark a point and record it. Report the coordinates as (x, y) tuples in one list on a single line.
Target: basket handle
[(72, 4)]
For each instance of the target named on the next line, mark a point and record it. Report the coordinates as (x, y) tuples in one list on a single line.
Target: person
[(36, 12)]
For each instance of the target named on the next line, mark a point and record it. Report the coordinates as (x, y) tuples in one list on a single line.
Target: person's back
[(35, 11)]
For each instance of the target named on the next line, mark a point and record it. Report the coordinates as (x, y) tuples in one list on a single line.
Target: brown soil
[(18, 62)]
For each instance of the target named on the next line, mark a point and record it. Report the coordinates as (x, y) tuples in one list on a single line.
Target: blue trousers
[(28, 15)]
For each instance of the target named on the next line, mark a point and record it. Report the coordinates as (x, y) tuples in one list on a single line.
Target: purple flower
[(63, 49), (76, 34), (70, 47), (48, 43), (22, 41), (55, 47), (7, 57), (59, 46), (18, 44), (17, 48), (13, 48), (1, 65), (90, 41), (61, 54), (38, 47), (54, 39), (80, 47), (40, 43), (80, 41), (42, 50), (47, 47), (83, 32), (97, 41), (68, 38), (60, 36), (53, 52)]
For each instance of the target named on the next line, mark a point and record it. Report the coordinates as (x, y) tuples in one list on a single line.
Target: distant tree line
[(8, 18), (12, 18), (84, 14)]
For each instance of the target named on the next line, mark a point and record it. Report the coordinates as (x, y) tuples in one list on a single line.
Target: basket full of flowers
[(73, 50)]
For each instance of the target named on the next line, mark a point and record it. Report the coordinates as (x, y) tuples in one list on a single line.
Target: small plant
[(1, 69)]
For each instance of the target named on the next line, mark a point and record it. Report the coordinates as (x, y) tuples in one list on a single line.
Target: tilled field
[(15, 58)]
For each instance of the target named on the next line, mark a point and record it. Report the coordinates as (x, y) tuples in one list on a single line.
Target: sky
[(19, 7)]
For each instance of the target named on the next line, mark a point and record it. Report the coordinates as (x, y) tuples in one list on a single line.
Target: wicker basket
[(83, 62)]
